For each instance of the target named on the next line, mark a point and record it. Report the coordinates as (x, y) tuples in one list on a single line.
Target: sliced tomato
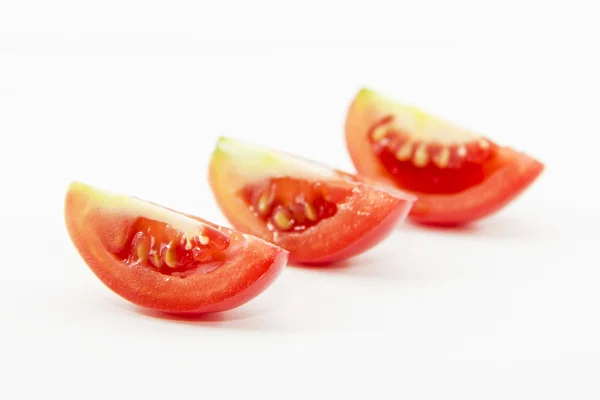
[(161, 259), (318, 214), (457, 175)]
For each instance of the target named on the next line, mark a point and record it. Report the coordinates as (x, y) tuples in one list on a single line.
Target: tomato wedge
[(457, 175), (320, 215), (161, 259)]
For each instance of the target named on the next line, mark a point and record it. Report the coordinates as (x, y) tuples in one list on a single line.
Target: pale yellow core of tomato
[(255, 162), (120, 204), (418, 125)]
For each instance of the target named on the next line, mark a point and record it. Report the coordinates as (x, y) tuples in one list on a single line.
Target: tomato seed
[(310, 212), (170, 256), (263, 204), (281, 220)]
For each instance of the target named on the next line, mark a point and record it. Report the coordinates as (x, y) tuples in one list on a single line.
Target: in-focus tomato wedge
[(457, 175), (320, 215), (165, 260)]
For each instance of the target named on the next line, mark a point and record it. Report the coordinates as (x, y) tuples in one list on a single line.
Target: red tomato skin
[(95, 232), (499, 190), (369, 240), (517, 173), (348, 233)]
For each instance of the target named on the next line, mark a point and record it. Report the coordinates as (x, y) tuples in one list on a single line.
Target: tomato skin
[(480, 201), (368, 216), (513, 171), (369, 239), (98, 231)]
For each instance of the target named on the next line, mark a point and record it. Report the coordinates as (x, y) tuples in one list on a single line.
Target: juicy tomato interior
[(318, 214), (289, 204), (158, 246), (166, 260), (458, 175), (431, 167)]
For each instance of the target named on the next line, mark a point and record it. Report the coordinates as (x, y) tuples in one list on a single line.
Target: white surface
[(131, 97)]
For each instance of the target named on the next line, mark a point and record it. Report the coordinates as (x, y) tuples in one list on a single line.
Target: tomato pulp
[(457, 175), (161, 259), (320, 215)]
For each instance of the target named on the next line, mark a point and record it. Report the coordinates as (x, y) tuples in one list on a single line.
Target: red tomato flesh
[(165, 260), (170, 252), (457, 175), (287, 204), (318, 214)]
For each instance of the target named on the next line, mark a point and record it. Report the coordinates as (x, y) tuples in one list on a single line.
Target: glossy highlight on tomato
[(320, 215), (161, 259), (457, 175)]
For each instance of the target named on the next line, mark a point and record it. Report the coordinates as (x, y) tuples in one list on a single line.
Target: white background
[(131, 95)]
